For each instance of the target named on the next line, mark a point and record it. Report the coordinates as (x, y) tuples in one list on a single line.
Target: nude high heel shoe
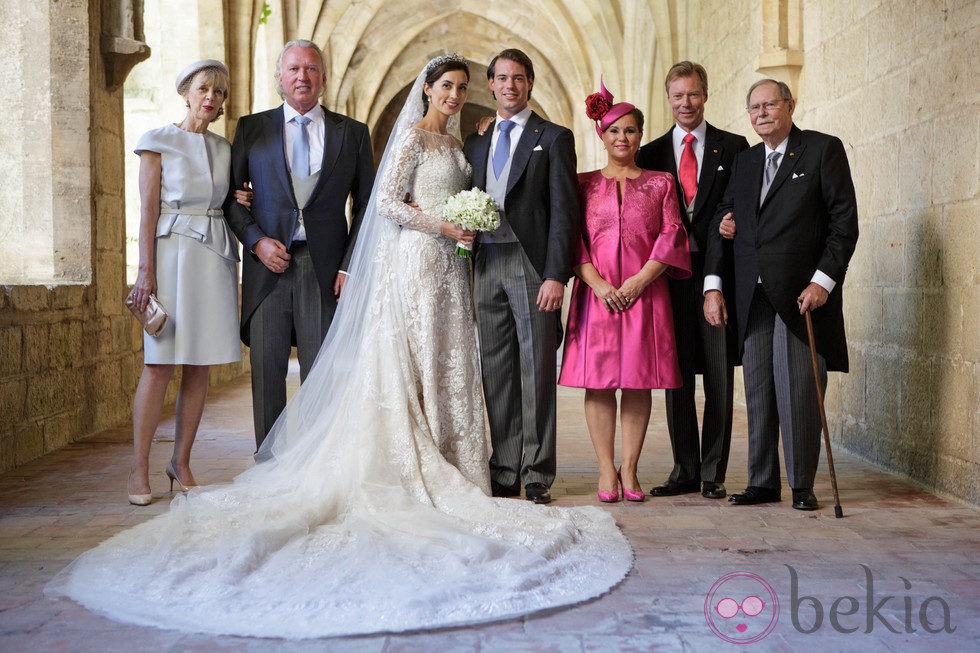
[(172, 475), (140, 499)]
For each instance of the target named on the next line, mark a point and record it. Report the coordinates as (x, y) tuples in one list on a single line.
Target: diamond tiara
[(441, 59)]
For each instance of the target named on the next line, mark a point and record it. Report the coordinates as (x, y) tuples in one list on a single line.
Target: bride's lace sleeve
[(396, 181)]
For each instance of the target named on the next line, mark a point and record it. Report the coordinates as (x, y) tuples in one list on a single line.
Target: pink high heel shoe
[(628, 494), (609, 497)]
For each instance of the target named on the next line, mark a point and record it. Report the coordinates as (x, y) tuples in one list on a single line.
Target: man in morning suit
[(700, 157), (303, 161), (527, 165), (791, 210)]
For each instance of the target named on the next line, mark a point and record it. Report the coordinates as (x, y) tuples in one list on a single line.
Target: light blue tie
[(502, 152), (301, 149)]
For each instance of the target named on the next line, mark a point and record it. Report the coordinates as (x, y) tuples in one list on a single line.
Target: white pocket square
[(797, 176), (537, 148), (721, 167)]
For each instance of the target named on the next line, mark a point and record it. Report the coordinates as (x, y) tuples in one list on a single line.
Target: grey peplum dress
[(196, 252)]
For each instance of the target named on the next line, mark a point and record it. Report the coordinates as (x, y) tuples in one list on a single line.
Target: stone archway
[(479, 103), (375, 48), (179, 35), (46, 168)]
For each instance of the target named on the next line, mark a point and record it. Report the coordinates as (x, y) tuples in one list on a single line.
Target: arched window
[(179, 33)]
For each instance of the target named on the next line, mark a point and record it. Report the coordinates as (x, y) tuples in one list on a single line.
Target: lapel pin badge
[(791, 153), (714, 151)]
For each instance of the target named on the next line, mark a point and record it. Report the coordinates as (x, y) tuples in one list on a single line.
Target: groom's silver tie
[(772, 165), (301, 149)]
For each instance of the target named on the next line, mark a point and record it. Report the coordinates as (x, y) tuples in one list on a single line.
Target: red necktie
[(688, 170)]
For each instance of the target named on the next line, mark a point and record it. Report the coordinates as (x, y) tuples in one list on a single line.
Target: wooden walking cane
[(838, 512)]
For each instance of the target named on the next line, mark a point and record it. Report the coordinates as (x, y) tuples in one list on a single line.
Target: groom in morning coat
[(303, 162), (791, 212), (700, 157), (527, 165)]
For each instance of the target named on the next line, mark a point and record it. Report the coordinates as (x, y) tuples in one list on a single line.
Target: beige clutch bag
[(153, 319)]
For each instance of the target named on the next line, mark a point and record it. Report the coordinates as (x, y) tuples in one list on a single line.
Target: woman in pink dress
[(620, 326)]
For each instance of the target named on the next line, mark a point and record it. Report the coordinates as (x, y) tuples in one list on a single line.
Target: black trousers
[(699, 454)]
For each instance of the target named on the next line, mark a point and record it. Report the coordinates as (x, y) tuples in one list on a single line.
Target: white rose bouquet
[(473, 210)]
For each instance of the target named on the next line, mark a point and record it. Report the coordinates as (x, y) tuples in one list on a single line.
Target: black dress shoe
[(537, 492), (498, 490), (804, 499), (711, 490), (673, 488), (753, 495)]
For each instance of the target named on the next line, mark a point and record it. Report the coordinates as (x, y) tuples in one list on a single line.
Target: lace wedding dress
[(370, 511), (432, 285)]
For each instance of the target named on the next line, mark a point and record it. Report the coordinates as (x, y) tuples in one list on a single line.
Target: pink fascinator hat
[(600, 107)]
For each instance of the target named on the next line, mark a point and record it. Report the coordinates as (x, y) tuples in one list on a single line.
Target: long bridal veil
[(353, 522), (326, 388)]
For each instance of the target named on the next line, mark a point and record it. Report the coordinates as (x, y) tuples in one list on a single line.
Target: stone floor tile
[(55, 507)]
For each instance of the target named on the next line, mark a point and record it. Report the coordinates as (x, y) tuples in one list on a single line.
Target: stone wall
[(70, 355), (895, 81), (43, 137)]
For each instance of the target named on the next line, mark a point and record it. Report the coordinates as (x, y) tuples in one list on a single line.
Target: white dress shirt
[(713, 281), (700, 133)]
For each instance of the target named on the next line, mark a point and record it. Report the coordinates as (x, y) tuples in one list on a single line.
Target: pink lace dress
[(635, 348)]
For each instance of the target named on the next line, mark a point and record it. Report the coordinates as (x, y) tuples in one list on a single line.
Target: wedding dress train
[(372, 512)]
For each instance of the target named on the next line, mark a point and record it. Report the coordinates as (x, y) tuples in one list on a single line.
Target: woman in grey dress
[(187, 258)]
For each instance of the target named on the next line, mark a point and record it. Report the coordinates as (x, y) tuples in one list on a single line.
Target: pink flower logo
[(741, 608)]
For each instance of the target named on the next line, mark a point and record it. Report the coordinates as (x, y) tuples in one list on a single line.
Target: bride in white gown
[(370, 510)]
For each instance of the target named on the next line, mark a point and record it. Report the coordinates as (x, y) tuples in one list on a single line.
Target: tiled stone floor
[(915, 545)]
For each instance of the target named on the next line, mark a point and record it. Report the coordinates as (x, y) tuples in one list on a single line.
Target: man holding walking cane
[(791, 210)]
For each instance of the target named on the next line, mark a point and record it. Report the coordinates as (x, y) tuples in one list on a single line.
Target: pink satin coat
[(635, 348)]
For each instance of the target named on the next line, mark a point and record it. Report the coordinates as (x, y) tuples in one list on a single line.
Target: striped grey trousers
[(780, 396), (294, 308), (518, 347)]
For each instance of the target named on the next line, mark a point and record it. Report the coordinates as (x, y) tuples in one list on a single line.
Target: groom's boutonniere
[(472, 210)]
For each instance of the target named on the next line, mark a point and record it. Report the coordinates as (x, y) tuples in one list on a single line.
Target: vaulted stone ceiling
[(376, 47)]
